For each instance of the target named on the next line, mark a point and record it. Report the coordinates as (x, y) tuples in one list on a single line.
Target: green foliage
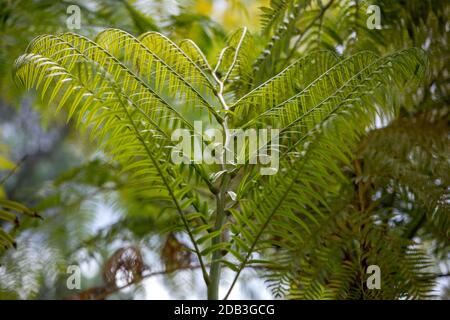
[(364, 146), (8, 212), (131, 93)]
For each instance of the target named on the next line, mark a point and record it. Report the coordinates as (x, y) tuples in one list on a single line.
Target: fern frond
[(131, 120), (335, 102), (273, 14), (283, 86), (163, 66), (235, 63), (8, 212), (269, 62), (196, 55)]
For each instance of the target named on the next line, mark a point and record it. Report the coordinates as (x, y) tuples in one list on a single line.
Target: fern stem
[(215, 271)]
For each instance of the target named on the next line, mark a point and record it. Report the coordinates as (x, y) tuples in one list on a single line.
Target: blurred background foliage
[(401, 170)]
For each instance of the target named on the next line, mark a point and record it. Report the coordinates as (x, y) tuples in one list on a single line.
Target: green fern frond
[(8, 212), (272, 15), (283, 86), (196, 55), (315, 116), (132, 121), (153, 58), (234, 65), (282, 19)]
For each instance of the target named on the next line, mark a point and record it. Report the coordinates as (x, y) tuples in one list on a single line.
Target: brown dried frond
[(126, 266), (175, 254)]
